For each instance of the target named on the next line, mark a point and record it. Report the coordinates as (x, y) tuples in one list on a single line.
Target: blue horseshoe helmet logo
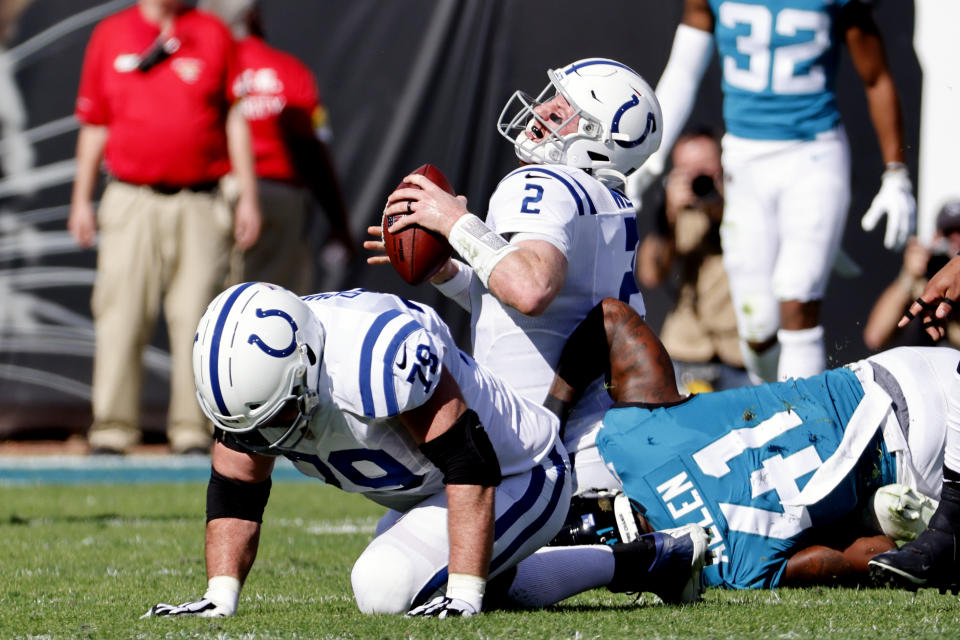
[(267, 349), (615, 125)]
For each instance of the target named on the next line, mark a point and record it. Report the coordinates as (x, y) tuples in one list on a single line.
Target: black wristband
[(464, 453), (228, 498)]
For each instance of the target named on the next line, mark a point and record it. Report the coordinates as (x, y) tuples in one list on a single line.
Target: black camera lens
[(703, 186)]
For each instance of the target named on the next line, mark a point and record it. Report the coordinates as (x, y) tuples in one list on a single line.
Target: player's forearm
[(530, 278), (817, 565), (231, 547), (887, 118), (91, 142), (470, 523), (869, 58)]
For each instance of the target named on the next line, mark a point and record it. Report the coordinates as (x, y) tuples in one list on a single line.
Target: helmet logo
[(651, 126), (267, 349)]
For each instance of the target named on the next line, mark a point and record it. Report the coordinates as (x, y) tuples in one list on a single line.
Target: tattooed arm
[(615, 342)]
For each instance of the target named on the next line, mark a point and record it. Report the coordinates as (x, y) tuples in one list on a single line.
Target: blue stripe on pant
[(507, 540)]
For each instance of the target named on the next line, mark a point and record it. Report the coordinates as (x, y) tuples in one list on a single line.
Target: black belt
[(170, 189)]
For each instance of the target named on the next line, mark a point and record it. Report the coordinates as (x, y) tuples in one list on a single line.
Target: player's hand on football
[(202, 608), (443, 607), (895, 200), (428, 206), (377, 246), (937, 301)]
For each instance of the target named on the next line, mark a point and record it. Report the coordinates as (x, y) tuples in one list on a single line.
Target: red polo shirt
[(166, 125), (273, 83)]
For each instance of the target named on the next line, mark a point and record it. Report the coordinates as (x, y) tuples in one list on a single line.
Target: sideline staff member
[(153, 104), (290, 133)]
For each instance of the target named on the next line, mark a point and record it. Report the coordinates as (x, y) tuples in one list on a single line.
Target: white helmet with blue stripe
[(619, 124), (256, 363)]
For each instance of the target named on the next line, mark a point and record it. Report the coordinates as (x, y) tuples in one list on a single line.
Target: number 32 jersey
[(383, 356), (779, 65)]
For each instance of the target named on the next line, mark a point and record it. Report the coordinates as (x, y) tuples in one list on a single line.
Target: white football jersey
[(595, 228), (383, 355)]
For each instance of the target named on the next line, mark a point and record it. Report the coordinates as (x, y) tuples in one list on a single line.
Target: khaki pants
[(153, 249), (282, 254)]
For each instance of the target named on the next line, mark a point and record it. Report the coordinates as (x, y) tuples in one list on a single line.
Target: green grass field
[(87, 561)]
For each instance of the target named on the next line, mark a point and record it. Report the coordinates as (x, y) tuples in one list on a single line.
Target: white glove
[(444, 607), (220, 601), (895, 199), (900, 512), (202, 608), (464, 598)]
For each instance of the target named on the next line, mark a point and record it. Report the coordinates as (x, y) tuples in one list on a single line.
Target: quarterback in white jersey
[(368, 392), (559, 233), (786, 158)]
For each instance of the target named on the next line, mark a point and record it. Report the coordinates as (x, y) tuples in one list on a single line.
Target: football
[(417, 253)]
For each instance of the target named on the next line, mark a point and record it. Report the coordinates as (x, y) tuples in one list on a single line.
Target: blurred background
[(405, 82)]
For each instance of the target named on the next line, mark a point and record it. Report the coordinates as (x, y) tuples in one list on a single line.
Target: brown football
[(417, 253)]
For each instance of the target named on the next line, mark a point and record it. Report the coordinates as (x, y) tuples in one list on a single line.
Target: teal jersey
[(779, 64), (728, 459)]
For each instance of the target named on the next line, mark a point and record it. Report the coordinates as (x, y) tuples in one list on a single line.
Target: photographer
[(700, 332), (920, 262)]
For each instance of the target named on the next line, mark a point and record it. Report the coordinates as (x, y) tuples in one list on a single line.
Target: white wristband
[(463, 586), (479, 245), (457, 288), (223, 591)]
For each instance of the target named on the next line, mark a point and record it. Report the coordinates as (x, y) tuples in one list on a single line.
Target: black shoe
[(929, 561), (679, 556)]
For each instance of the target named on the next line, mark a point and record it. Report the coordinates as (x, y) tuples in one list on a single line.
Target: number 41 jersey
[(779, 65), (729, 460)]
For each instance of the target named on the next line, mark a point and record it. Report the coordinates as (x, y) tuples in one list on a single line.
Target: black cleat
[(929, 561)]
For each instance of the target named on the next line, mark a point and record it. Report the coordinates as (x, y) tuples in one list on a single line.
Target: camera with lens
[(703, 186)]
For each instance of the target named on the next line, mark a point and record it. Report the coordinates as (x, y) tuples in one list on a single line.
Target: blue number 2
[(532, 199)]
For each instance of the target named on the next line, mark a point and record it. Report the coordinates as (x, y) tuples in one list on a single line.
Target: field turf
[(86, 561)]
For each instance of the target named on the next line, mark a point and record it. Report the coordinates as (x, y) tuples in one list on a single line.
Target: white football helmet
[(257, 356), (619, 126)]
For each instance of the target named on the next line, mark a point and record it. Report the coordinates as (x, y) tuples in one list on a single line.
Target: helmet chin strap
[(610, 177)]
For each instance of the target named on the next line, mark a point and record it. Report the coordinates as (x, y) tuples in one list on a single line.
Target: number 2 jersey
[(779, 64), (594, 227), (382, 356), (759, 467)]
